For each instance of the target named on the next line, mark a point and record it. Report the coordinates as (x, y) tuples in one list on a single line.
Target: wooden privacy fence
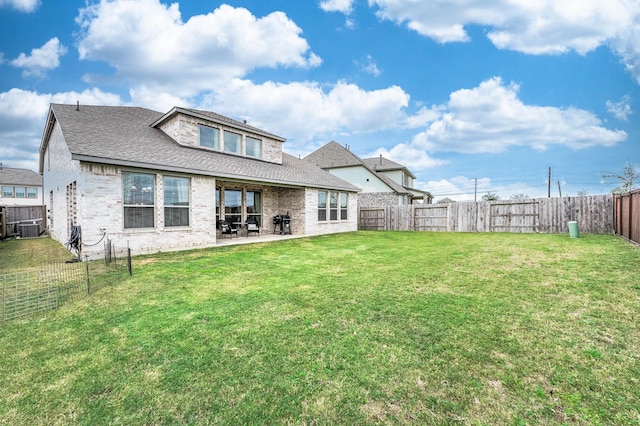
[(594, 215), (627, 215), (12, 217)]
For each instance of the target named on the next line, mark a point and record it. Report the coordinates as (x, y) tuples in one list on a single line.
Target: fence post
[(86, 263), (129, 261)]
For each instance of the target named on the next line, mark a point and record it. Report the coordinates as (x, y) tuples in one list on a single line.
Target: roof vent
[(381, 159), (244, 121), (77, 105)]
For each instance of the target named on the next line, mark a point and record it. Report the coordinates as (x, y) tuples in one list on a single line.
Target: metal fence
[(51, 285), (627, 215)]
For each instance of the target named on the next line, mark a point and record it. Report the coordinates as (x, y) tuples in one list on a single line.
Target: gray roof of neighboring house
[(383, 164), (124, 136), (333, 156), (10, 176)]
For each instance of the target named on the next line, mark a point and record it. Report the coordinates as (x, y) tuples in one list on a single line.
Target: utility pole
[(549, 184), (475, 193), (559, 189)]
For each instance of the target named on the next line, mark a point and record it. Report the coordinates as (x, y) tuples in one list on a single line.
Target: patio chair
[(252, 226), (226, 229)]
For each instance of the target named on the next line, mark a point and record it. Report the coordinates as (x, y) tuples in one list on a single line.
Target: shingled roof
[(333, 156), (382, 164), (11, 176), (125, 136)]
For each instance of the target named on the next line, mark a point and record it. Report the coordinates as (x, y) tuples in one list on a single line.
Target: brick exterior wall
[(315, 227)]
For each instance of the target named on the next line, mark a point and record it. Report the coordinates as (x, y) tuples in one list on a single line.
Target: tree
[(520, 196), (445, 201), (490, 196), (625, 181), (583, 192)]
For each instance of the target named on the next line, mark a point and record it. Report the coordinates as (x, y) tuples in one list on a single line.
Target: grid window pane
[(138, 197), (254, 147), (322, 206), (232, 142), (176, 201), (138, 217), (209, 137), (344, 206)]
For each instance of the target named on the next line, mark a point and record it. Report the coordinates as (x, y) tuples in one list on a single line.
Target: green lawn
[(358, 328)]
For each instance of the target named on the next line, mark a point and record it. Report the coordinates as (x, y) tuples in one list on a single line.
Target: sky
[(473, 96)]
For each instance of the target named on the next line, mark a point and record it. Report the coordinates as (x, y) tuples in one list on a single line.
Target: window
[(176, 201), (254, 207), (333, 205), (254, 147), (233, 206), (21, 192), (32, 193), (7, 191), (232, 142), (344, 206), (138, 199), (322, 206), (217, 205), (209, 137), (338, 205)]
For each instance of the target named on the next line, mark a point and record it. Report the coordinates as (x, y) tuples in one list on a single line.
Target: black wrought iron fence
[(51, 285)]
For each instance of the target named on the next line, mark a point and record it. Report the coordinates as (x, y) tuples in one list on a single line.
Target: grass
[(19, 254), (358, 328)]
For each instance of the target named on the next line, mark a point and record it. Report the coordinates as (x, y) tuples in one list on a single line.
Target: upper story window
[(254, 147), (7, 191), (232, 142), (19, 192), (209, 137)]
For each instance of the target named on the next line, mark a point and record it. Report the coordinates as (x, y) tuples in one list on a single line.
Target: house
[(383, 182), (161, 181), (20, 187)]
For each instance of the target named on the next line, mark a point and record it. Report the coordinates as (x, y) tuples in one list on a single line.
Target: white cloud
[(370, 67), (22, 119), (342, 6), (164, 53), (622, 109), (21, 5), (41, 59), (532, 27), (306, 110), (409, 156), (491, 118)]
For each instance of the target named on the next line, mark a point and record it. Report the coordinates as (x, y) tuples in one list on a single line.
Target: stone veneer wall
[(379, 199)]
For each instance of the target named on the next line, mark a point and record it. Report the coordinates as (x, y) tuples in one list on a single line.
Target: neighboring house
[(383, 182), (161, 181), (20, 187)]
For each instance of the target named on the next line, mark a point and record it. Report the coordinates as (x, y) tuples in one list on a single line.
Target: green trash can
[(573, 229)]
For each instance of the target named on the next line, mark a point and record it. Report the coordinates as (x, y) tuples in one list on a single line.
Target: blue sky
[(488, 91)]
